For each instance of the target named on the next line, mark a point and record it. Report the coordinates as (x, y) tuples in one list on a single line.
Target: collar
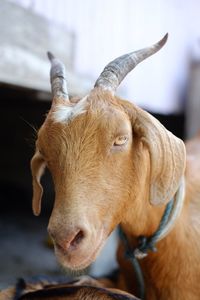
[(172, 212)]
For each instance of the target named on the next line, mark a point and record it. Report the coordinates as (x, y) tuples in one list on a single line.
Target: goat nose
[(68, 240)]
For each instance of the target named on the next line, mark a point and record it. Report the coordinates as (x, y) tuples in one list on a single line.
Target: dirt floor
[(23, 252)]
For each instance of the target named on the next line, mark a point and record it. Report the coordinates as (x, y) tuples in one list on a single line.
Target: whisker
[(29, 124)]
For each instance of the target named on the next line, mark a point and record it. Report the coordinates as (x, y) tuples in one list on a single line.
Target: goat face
[(103, 154), (90, 158)]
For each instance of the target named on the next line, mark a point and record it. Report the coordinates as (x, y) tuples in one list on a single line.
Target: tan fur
[(86, 289), (99, 186)]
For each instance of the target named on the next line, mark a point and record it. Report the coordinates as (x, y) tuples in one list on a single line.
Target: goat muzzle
[(77, 247)]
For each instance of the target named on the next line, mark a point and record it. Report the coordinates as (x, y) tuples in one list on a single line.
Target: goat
[(46, 289), (113, 163)]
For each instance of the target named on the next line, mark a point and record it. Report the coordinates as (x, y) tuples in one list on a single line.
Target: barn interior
[(28, 29)]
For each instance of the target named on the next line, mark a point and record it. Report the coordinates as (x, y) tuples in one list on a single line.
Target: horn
[(116, 70), (58, 78)]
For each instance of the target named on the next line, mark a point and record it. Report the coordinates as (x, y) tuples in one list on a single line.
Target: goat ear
[(37, 168), (167, 156)]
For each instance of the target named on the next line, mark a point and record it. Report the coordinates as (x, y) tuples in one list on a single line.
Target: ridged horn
[(116, 70), (58, 78)]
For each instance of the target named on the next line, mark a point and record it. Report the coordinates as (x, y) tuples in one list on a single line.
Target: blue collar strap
[(146, 244)]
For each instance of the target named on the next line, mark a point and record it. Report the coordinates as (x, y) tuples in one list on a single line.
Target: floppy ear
[(37, 168), (167, 156)]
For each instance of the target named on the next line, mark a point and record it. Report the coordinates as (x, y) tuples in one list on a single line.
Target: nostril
[(77, 239), (67, 241)]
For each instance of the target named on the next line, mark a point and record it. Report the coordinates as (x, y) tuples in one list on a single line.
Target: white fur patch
[(67, 113)]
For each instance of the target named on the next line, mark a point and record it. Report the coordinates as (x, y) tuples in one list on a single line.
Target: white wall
[(108, 28)]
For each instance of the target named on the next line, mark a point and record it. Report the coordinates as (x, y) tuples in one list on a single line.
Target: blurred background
[(86, 35)]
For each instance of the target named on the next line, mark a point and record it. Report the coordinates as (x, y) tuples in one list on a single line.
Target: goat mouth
[(81, 257)]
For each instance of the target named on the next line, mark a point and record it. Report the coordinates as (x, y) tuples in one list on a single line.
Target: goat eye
[(120, 140)]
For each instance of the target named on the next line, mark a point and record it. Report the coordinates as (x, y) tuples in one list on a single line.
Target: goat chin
[(81, 257)]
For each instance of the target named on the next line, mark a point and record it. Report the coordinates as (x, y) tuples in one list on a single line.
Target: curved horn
[(116, 70), (58, 78)]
